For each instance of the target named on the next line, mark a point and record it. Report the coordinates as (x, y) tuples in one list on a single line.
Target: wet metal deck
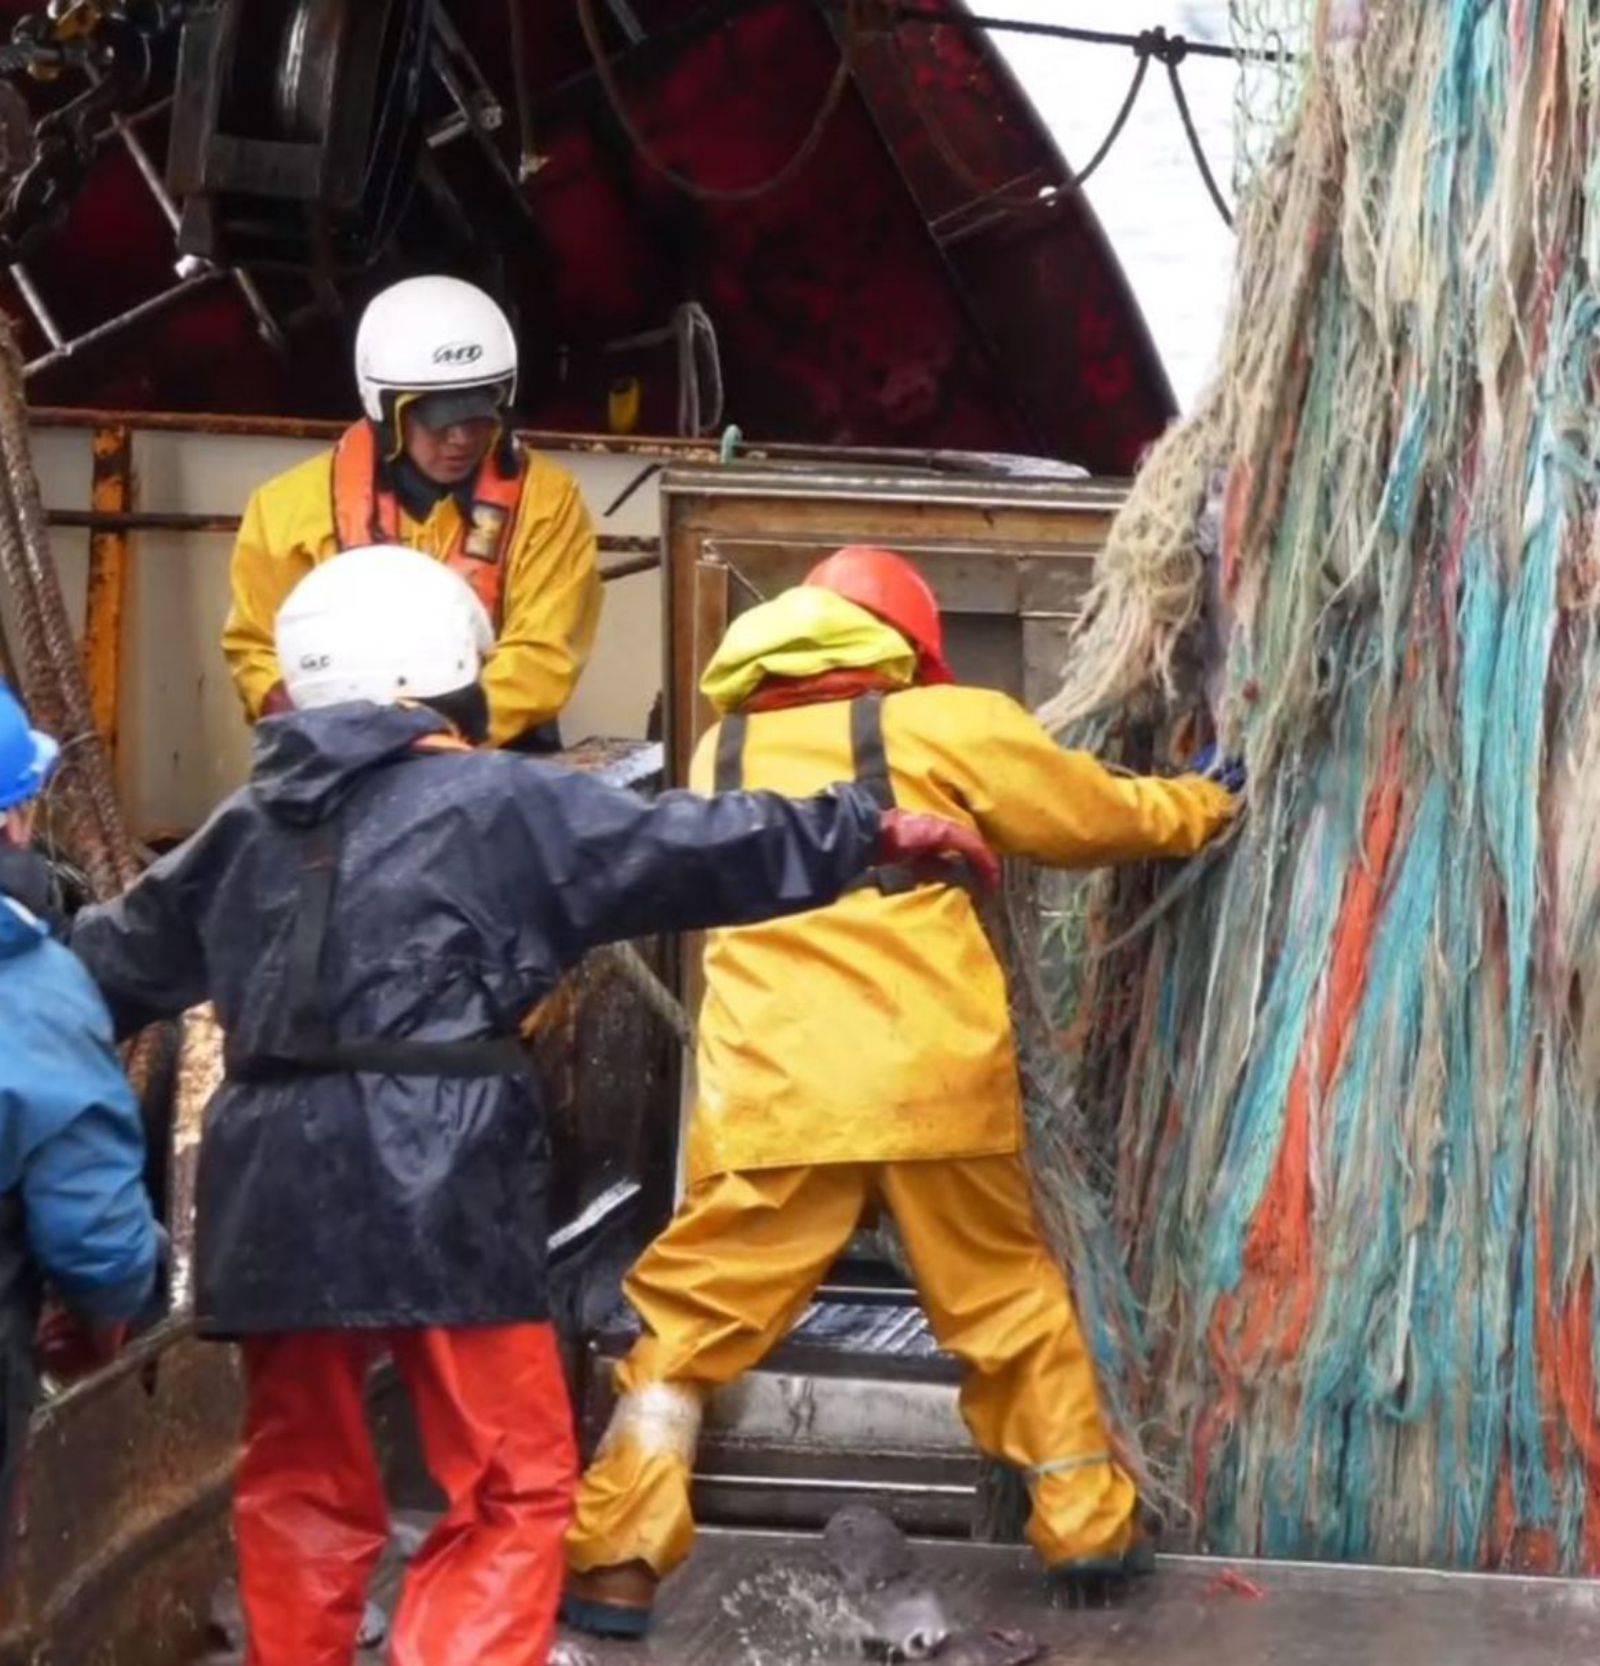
[(761, 1600)]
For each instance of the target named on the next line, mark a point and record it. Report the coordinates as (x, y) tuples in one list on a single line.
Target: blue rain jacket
[(71, 1138)]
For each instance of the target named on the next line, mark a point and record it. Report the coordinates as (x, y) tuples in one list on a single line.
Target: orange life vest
[(366, 512)]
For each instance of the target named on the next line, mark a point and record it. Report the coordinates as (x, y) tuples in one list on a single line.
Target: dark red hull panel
[(921, 283)]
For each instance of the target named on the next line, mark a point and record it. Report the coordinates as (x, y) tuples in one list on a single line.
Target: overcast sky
[(1174, 247)]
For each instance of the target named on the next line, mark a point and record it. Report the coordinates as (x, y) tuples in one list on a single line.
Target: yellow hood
[(802, 633)]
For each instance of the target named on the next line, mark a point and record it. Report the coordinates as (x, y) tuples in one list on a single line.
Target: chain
[(109, 43)]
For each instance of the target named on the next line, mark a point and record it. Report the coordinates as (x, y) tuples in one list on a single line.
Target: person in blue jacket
[(74, 1214)]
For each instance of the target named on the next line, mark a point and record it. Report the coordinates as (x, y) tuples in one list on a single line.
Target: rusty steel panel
[(661, 447), (714, 606), (110, 493), (120, 1537)]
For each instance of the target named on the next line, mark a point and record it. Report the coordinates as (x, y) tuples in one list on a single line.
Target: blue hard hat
[(26, 756)]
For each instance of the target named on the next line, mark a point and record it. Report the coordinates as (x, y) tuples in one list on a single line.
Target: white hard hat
[(382, 624), (431, 334)]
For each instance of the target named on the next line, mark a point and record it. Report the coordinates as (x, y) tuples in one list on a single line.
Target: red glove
[(275, 702), (69, 1347), (930, 847)]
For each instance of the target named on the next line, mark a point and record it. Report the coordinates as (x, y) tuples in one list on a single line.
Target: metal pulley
[(293, 137), (310, 68)]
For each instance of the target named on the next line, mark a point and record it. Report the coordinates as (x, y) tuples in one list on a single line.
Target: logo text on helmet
[(458, 352)]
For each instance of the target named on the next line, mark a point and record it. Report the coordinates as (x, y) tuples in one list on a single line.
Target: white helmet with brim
[(434, 335)]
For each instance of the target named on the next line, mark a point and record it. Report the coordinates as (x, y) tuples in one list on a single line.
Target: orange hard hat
[(888, 586)]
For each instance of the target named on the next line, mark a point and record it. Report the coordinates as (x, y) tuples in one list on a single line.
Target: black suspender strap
[(729, 776), (868, 759), (312, 1049), (473, 1058), (309, 1026), (871, 764)]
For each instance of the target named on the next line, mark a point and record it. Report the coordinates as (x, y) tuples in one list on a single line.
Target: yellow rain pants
[(736, 1267)]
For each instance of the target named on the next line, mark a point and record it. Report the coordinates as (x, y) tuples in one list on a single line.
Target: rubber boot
[(1094, 1580), (611, 1602)]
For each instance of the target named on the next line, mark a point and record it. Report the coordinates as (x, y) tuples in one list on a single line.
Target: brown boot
[(611, 1602)]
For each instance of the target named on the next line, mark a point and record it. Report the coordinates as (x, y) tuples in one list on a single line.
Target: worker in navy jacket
[(74, 1215), (373, 916)]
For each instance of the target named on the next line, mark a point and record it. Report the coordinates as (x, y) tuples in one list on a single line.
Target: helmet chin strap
[(392, 430), (391, 434)]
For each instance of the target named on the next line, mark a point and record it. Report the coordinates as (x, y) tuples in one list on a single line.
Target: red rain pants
[(311, 1517)]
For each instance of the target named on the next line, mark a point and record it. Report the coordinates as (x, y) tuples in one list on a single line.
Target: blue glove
[(1229, 773)]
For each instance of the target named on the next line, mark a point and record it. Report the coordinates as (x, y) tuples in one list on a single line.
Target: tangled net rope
[(1353, 1136)]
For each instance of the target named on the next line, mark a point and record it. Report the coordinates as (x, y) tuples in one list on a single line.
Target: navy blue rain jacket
[(463, 885)]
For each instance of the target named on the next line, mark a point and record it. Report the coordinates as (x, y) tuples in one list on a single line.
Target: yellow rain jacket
[(900, 1047), (551, 593)]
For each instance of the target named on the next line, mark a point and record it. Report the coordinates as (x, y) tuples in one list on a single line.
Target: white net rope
[(1272, 38)]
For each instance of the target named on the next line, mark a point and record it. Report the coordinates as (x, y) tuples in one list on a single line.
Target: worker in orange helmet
[(862, 1054)]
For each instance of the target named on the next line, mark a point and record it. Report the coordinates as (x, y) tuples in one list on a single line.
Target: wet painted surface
[(769, 1599), (760, 1600), (898, 1612)]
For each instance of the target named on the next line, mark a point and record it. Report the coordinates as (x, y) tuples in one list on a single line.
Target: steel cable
[(725, 194)]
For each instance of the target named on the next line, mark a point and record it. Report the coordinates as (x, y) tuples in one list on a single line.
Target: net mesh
[(1272, 38)]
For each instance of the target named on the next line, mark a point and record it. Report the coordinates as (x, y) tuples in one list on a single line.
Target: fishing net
[(1272, 38), (1340, 1076)]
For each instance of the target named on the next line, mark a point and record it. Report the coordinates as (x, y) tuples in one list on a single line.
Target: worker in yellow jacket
[(860, 1055), (433, 466)]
